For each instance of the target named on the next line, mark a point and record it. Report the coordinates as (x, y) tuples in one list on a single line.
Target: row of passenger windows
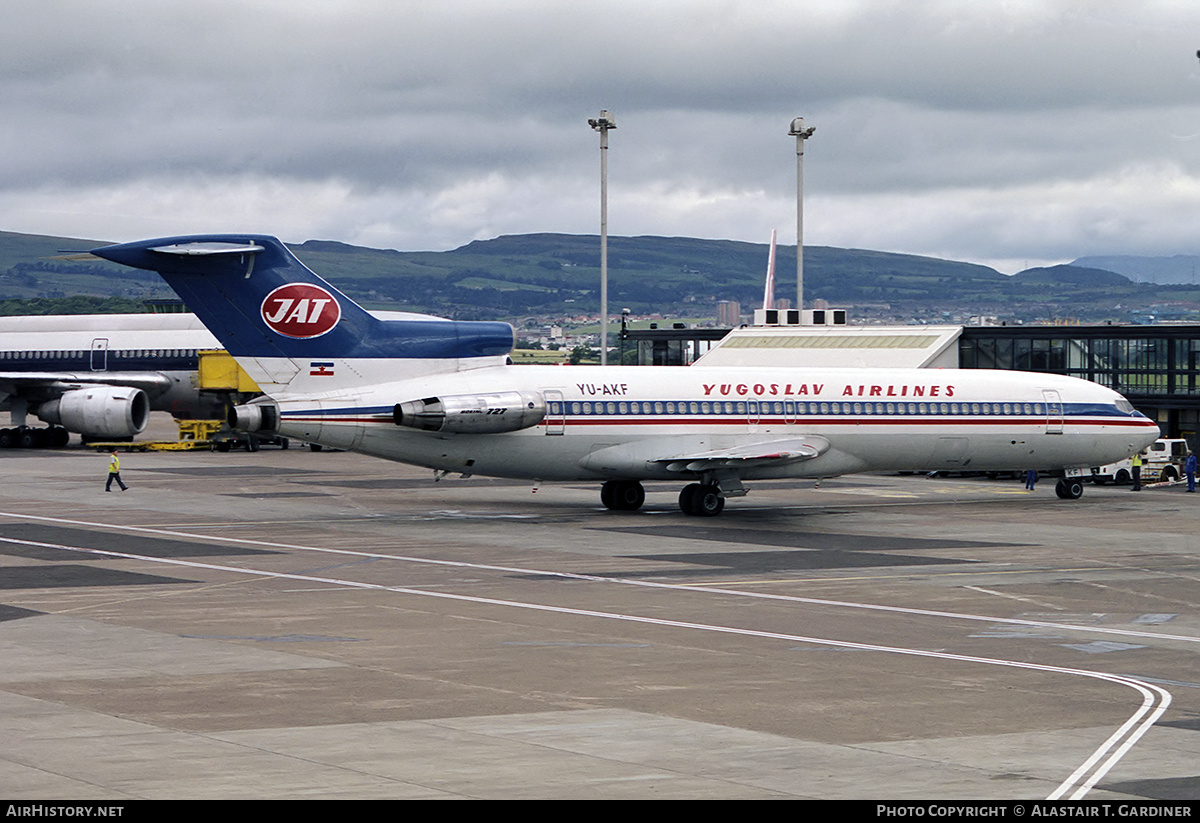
[(131, 353), (792, 407), (83, 354)]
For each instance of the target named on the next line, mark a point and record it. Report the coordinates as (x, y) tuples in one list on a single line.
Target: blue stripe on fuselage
[(593, 410)]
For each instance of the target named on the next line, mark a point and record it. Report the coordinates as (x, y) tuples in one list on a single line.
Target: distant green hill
[(1179, 268), (32, 266), (558, 275), (557, 272)]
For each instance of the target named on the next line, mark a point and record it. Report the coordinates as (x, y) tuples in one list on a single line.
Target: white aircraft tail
[(769, 288)]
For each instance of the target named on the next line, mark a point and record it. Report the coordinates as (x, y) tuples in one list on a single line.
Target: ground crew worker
[(114, 472)]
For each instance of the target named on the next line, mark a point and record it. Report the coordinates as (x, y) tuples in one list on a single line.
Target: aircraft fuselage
[(604, 423)]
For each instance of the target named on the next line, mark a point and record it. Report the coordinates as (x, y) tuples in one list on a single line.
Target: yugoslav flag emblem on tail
[(301, 310), (320, 369)]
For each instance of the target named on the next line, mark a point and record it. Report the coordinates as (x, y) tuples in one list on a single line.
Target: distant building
[(1156, 367)]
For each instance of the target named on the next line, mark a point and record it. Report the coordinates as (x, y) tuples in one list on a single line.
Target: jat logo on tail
[(301, 310)]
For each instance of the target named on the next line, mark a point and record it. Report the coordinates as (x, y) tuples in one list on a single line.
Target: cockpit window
[(1125, 406)]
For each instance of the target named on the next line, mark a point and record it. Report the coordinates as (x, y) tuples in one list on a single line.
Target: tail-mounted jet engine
[(473, 413), (255, 417), (99, 412)]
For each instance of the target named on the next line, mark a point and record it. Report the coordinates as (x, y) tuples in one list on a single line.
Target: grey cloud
[(394, 109)]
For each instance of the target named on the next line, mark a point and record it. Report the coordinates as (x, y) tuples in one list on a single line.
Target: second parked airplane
[(99, 375)]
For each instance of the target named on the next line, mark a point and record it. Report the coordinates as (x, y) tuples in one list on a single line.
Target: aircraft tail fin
[(769, 287), (291, 330)]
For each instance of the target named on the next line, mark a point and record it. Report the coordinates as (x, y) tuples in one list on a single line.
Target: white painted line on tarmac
[(621, 581), (1155, 699)]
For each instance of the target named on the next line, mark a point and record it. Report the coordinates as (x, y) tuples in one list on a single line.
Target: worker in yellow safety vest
[(114, 472)]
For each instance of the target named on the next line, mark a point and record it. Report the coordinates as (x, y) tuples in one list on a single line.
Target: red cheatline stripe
[(742, 421)]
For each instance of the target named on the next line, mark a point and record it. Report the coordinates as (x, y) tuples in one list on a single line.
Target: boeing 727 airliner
[(440, 394)]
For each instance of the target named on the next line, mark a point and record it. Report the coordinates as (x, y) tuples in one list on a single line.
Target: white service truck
[(1162, 461)]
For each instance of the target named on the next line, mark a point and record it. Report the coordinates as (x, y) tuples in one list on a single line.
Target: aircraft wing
[(53, 383), (747, 454), (150, 382)]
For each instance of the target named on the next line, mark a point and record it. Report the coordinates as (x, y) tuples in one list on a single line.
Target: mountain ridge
[(551, 274)]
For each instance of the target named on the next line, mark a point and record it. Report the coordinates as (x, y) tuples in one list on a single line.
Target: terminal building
[(1156, 367)]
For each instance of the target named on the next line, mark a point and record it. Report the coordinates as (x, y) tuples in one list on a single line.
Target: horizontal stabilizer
[(204, 249)]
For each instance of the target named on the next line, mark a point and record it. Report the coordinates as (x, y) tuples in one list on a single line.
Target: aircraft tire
[(622, 495), (58, 437), (631, 496), (30, 439), (1069, 488), (701, 500), (685, 497), (708, 501), (7, 440)]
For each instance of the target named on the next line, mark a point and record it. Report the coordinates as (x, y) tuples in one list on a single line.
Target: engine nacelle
[(473, 413), (100, 411), (254, 417)]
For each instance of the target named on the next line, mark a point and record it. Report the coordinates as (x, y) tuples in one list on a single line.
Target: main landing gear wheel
[(1069, 488), (27, 437), (622, 495), (701, 500)]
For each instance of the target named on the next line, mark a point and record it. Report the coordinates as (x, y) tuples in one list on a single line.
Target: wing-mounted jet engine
[(100, 411), (473, 413)]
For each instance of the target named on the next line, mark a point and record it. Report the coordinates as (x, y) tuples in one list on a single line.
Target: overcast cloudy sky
[(1009, 132)]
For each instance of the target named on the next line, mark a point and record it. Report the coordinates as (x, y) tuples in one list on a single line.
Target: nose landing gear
[(1069, 488)]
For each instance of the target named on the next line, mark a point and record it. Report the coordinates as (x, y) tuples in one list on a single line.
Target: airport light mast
[(801, 134), (602, 124)]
